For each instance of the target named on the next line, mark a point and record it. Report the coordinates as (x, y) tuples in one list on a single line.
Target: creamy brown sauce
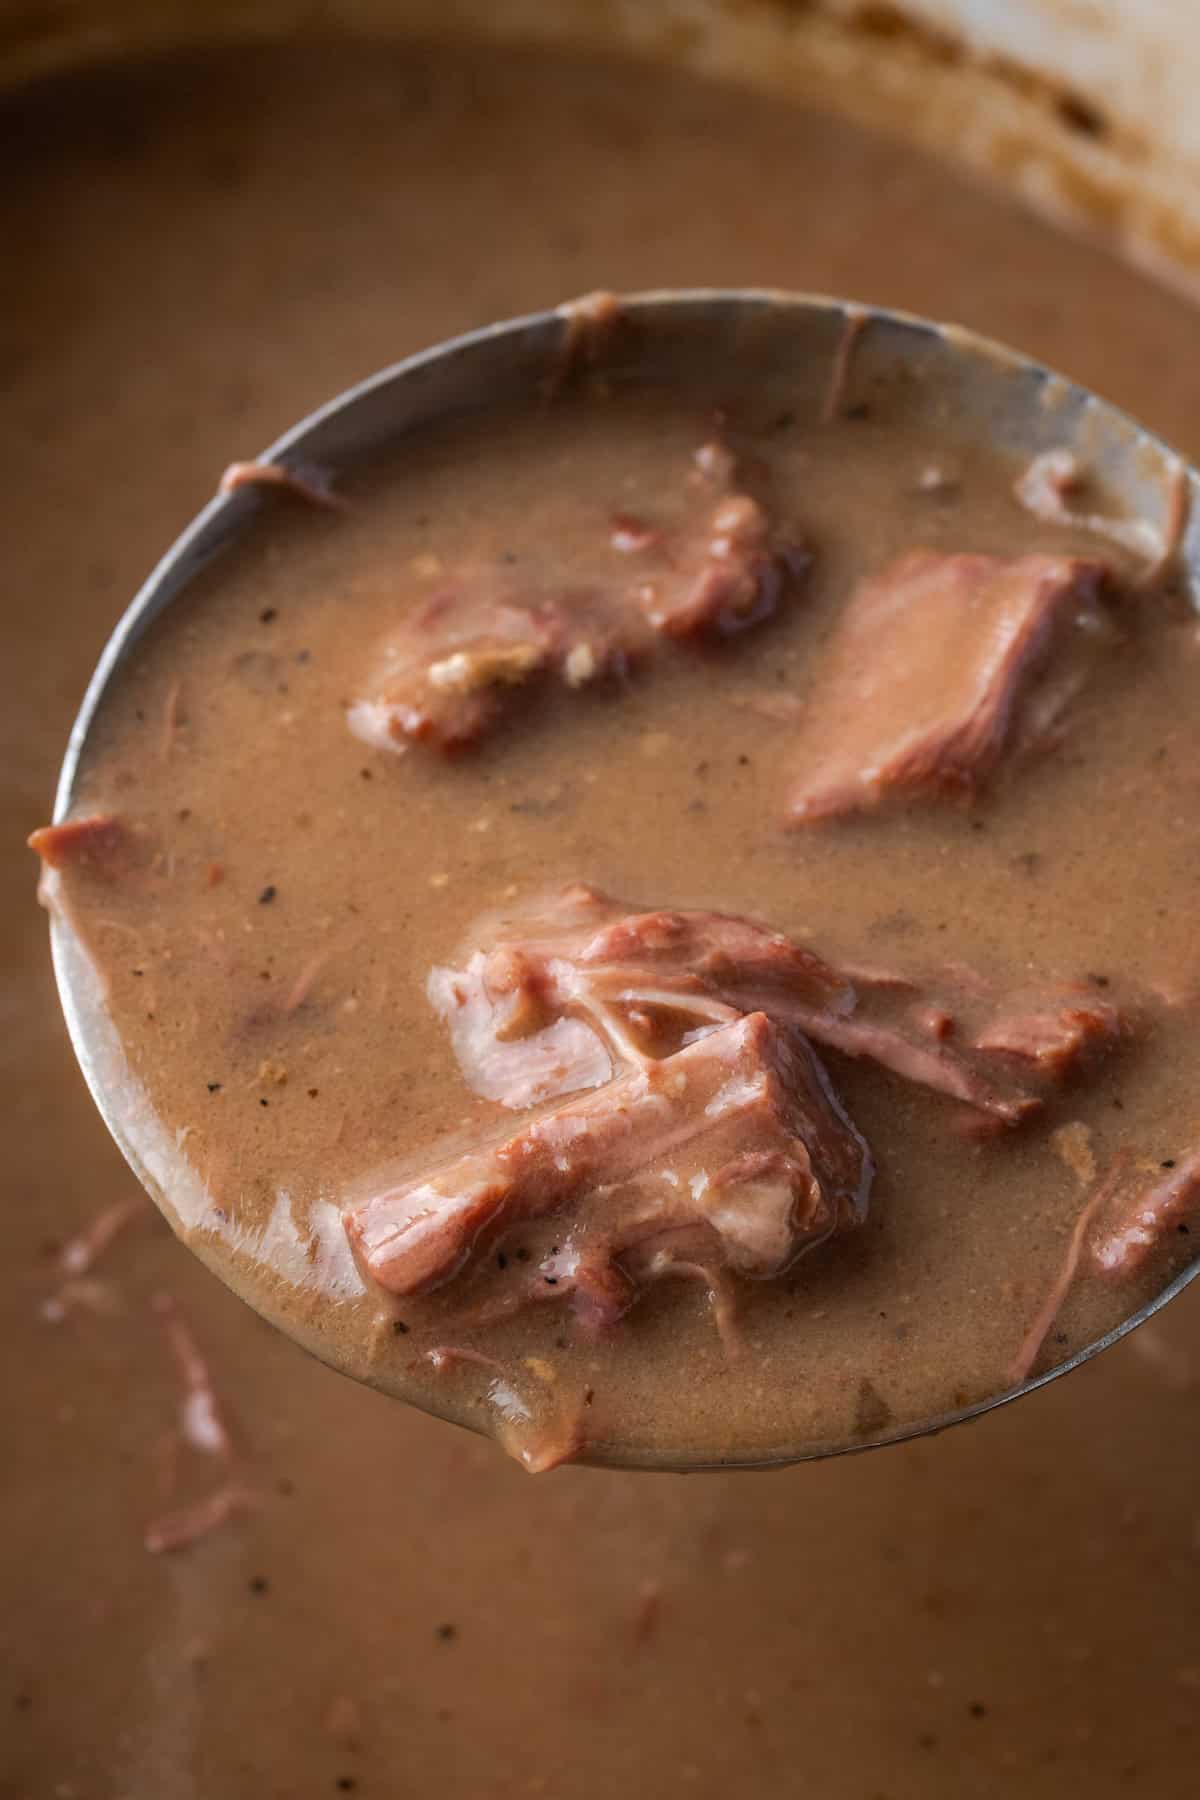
[(266, 933), (982, 1589)]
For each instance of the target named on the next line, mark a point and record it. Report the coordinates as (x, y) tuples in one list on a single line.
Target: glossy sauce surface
[(266, 972), (980, 1589)]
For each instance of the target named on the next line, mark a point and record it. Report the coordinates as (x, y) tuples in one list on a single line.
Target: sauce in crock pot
[(957, 1612)]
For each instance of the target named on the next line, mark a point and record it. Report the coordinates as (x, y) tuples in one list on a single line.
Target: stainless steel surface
[(971, 389)]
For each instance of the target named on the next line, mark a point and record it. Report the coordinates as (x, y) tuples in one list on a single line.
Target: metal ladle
[(814, 356)]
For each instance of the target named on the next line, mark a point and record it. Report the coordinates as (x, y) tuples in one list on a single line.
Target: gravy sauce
[(269, 902), (953, 1613)]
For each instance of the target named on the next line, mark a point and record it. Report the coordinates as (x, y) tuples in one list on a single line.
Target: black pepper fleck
[(346, 1784), (264, 1102), (501, 1260), (1080, 115), (214, 1087), (400, 1328), (743, 761), (977, 1709), (267, 614), (858, 411), (366, 774), (522, 1255), (1168, 1162), (268, 894), (259, 1584), (447, 1632)]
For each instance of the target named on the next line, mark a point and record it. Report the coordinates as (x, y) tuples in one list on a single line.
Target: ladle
[(817, 357)]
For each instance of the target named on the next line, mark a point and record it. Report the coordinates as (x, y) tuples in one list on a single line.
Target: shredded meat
[(1057, 1041), (732, 577), (307, 483), (554, 998), (102, 843), (200, 1416), (854, 323), (589, 326), (189, 1524), (925, 683), (731, 1153), (81, 1253), (1030, 1349), (1141, 1224), (202, 1425)]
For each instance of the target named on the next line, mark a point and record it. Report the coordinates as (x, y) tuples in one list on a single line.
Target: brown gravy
[(267, 928), (982, 1589)]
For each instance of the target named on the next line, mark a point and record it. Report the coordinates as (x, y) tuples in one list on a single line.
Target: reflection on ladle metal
[(822, 353)]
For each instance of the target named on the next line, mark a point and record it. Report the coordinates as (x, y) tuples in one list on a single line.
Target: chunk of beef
[(102, 843), (455, 665), (548, 995), (928, 673), (451, 668), (734, 1148), (1143, 1222)]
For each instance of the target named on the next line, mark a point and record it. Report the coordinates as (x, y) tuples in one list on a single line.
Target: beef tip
[(102, 843), (733, 577), (561, 994), (448, 672), (455, 665), (734, 1145), (1140, 1225), (1055, 1042), (639, 984), (928, 673)]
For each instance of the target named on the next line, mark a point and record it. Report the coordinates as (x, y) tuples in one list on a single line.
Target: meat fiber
[(730, 1153), (929, 678)]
